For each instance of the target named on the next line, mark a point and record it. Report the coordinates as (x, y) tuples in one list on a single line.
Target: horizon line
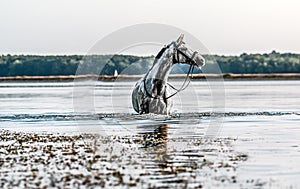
[(143, 55)]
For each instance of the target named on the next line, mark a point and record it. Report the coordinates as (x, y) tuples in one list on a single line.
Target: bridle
[(176, 59)]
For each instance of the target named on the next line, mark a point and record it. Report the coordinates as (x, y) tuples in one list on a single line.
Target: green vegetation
[(31, 65), (255, 63)]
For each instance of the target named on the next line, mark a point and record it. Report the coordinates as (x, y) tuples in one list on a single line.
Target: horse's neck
[(159, 73), (162, 67)]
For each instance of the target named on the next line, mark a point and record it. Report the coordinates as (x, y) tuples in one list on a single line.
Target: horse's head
[(185, 54)]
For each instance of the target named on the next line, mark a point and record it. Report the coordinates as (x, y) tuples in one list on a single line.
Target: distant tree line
[(32, 65), (273, 62)]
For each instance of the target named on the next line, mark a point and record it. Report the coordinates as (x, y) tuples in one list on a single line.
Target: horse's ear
[(180, 39)]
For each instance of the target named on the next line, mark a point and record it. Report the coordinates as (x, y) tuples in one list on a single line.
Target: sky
[(225, 27)]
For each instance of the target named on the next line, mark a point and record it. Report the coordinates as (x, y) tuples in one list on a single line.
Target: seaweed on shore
[(147, 160)]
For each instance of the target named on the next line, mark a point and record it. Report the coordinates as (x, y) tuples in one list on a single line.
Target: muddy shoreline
[(150, 160), (70, 78)]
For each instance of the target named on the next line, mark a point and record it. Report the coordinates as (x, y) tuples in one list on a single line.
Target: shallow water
[(260, 119)]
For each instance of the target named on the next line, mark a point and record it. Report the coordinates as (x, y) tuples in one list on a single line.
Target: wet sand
[(148, 160)]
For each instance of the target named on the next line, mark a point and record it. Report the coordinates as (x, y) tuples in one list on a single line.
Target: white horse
[(151, 94)]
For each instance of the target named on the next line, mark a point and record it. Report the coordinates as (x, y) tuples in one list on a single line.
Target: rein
[(186, 82), (184, 85)]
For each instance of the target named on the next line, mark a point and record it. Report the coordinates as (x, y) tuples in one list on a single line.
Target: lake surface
[(260, 120)]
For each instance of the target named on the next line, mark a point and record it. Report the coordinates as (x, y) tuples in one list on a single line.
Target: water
[(260, 122)]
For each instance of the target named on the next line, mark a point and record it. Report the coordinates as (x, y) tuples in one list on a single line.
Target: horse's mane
[(160, 53)]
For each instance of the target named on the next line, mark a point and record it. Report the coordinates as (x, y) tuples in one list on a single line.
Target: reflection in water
[(157, 141), (157, 138), (184, 159)]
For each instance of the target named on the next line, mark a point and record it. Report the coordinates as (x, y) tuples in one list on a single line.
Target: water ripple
[(173, 118)]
